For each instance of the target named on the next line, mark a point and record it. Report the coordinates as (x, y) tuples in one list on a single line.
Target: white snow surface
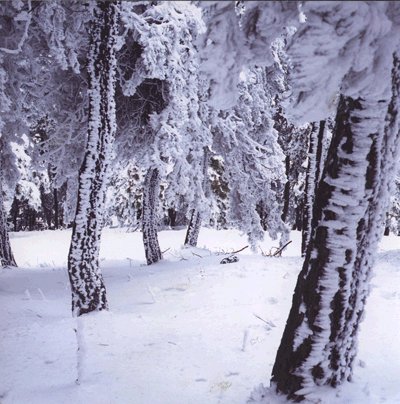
[(185, 330)]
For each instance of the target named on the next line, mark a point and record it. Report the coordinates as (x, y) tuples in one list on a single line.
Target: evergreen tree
[(253, 159)]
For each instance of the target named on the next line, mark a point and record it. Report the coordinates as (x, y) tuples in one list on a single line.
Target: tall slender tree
[(149, 216), (88, 290)]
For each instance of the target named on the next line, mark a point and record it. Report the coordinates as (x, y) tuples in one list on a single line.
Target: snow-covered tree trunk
[(88, 290), (56, 212), (313, 174), (149, 216), (286, 192), (318, 345), (6, 255), (193, 230)]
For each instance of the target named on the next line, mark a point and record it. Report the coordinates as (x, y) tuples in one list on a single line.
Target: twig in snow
[(245, 337), (255, 315), (162, 252), (197, 255), (269, 323), (278, 253), (238, 251)]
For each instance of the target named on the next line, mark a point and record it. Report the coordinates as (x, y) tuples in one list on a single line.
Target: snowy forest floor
[(184, 331)]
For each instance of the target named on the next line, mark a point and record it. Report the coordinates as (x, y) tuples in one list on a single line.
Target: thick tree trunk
[(318, 345), (193, 230), (149, 216), (6, 255), (88, 290), (314, 170)]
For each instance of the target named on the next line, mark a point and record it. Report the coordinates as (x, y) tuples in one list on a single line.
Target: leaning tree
[(348, 48)]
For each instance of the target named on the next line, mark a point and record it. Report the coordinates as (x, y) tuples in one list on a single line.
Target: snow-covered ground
[(184, 331)]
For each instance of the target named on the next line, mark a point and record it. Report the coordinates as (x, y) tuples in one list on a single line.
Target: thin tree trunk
[(6, 255), (318, 345), (171, 217), (193, 230), (313, 175), (286, 193), (149, 216), (194, 226), (88, 290), (56, 211)]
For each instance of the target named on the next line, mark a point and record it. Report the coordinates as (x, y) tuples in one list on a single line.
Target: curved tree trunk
[(88, 290), (318, 345), (6, 255), (149, 216)]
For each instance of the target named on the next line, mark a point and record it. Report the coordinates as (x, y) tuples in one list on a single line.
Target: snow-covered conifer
[(169, 135), (246, 139)]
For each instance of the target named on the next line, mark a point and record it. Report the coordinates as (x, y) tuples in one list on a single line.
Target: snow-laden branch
[(24, 35)]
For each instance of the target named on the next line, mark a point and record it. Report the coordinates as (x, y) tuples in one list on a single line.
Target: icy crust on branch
[(229, 45), (88, 291), (246, 139), (173, 137), (343, 44), (30, 181), (335, 45), (60, 25)]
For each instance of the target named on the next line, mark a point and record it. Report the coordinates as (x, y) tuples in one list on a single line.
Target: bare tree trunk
[(149, 216), (6, 255), (318, 345), (88, 290)]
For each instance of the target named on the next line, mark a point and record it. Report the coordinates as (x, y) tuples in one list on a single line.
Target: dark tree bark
[(193, 230), (149, 216), (313, 175), (318, 345), (56, 211), (88, 290), (6, 255), (286, 192), (171, 217)]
